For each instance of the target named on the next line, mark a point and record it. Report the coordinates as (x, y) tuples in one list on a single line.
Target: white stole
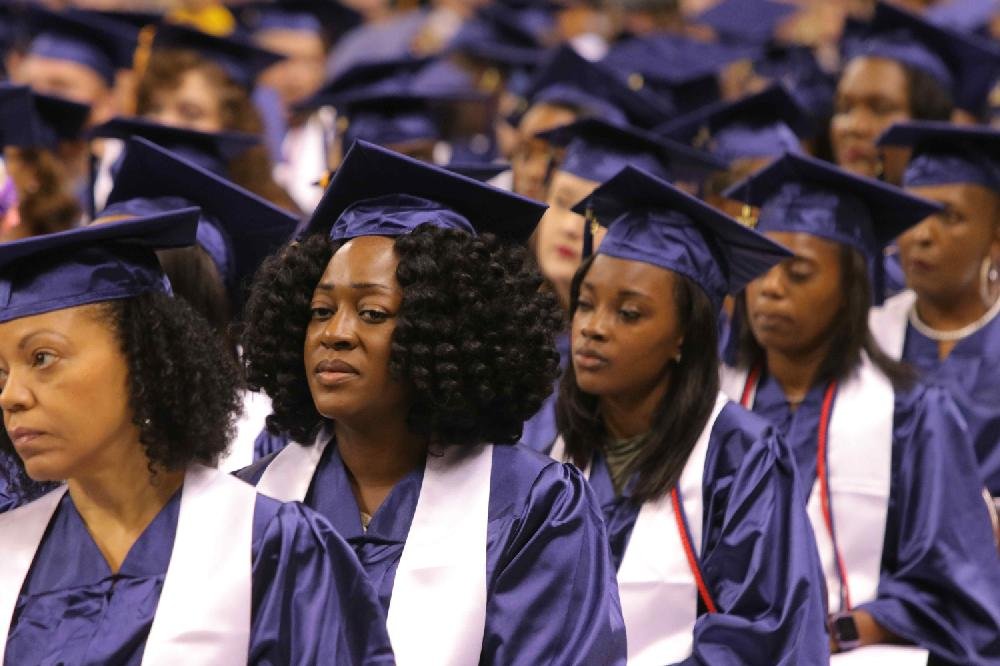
[(860, 476), (437, 614), (203, 614), (658, 592), (890, 321)]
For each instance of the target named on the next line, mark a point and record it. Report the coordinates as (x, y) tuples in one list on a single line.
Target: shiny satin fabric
[(395, 215), (551, 590), (940, 581), (954, 166), (971, 373), (311, 604), (758, 555)]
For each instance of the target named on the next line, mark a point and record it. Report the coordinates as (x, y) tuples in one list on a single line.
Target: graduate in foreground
[(886, 465), (403, 344), (716, 563), (146, 554)]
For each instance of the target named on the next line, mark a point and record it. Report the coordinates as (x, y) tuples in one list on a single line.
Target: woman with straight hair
[(715, 560)]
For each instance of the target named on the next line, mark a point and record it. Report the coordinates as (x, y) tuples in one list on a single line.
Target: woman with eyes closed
[(888, 474), (715, 560), (402, 352), (146, 554)]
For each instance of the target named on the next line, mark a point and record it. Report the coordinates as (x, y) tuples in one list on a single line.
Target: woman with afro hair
[(117, 401), (403, 350)]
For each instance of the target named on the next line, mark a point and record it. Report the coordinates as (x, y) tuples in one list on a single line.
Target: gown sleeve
[(554, 596), (312, 602), (759, 560), (940, 580)]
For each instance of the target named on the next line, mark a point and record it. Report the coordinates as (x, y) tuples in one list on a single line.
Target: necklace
[(958, 334)]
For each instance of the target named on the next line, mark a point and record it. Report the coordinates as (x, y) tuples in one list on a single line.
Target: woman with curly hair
[(887, 471), (202, 82), (402, 352), (715, 561), (146, 553)]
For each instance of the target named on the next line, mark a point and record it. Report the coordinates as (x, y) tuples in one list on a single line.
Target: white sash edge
[(437, 614), (21, 532), (288, 476), (659, 594), (203, 615), (890, 321)]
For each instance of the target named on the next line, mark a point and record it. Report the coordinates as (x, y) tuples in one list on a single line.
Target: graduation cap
[(766, 124), (32, 120), (83, 37), (682, 70), (798, 193), (797, 68), (134, 18), (376, 192), (944, 153), (961, 64), (481, 171), (387, 122), (102, 262), (238, 229), (509, 36), (397, 79), (596, 150), (969, 16), (324, 17), (569, 79), (748, 21), (242, 60), (210, 150), (651, 221)]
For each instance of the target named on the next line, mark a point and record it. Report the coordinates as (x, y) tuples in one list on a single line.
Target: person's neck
[(118, 501), (952, 313), (631, 415), (377, 457), (796, 372)]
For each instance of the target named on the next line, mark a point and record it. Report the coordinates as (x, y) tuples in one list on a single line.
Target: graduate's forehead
[(616, 276), (363, 262), (69, 323)]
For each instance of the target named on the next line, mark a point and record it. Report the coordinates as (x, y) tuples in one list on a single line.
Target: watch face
[(845, 628)]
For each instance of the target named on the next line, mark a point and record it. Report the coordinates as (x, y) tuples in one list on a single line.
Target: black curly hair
[(184, 388), (474, 339)]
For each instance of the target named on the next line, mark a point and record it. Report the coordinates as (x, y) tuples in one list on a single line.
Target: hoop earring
[(989, 276)]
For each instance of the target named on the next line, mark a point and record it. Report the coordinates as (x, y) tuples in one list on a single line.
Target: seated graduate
[(716, 563), (947, 326), (208, 275), (594, 150), (146, 554), (205, 82), (885, 465), (40, 135), (402, 351), (236, 232)]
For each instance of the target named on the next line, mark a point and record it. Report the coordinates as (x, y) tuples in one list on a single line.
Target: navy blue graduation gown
[(310, 600), (540, 430), (972, 374), (551, 590), (757, 555), (940, 581)]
